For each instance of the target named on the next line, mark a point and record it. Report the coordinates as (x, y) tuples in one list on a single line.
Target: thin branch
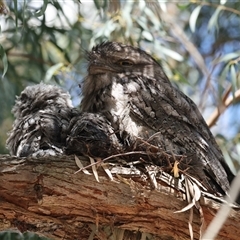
[(224, 105), (207, 87), (217, 6), (30, 57), (178, 32), (111, 157)]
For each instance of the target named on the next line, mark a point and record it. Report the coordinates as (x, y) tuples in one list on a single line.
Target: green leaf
[(213, 22), (183, 5), (228, 57), (233, 77), (193, 18), (233, 72), (105, 4), (41, 11), (172, 54), (222, 2), (151, 17), (178, 77), (228, 159), (163, 6), (4, 60), (98, 4), (52, 71), (147, 35), (16, 11)]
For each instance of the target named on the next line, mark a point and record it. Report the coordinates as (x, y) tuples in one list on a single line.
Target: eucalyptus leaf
[(94, 168), (233, 78), (228, 160), (147, 35), (228, 57), (15, 2), (52, 71), (4, 60), (171, 53), (193, 18), (42, 10), (98, 4), (163, 6), (213, 22)]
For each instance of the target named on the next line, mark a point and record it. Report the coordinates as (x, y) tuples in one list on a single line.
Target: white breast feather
[(122, 109)]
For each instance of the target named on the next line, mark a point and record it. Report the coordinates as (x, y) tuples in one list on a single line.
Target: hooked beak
[(96, 68)]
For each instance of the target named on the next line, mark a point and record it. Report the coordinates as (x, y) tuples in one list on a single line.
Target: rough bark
[(45, 196)]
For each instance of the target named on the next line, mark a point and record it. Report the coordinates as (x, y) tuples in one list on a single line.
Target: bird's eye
[(125, 63)]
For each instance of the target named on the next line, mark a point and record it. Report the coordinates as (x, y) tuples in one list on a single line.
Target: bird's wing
[(182, 129)]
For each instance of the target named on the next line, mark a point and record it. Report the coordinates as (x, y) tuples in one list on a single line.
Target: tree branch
[(226, 102), (45, 196)]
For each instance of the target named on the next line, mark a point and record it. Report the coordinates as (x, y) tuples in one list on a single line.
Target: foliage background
[(197, 43)]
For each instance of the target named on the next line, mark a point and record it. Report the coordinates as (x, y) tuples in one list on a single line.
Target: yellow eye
[(125, 63)]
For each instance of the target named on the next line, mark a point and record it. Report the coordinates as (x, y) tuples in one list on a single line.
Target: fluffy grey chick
[(92, 134), (42, 113)]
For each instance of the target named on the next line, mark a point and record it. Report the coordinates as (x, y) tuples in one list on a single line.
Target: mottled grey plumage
[(91, 134), (42, 113), (130, 89)]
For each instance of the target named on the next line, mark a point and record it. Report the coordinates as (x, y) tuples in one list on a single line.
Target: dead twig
[(110, 157)]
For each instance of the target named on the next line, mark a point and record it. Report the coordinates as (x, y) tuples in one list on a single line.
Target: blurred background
[(196, 42)]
